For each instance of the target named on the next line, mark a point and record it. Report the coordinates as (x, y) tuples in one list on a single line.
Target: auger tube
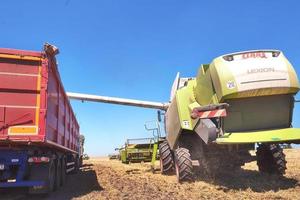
[(120, 101)]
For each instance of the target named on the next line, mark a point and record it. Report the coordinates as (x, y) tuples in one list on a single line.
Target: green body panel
[(248, 81), (239, 71), (258, 113), (204, 86), (123, 156), (138, 155), (278, 135), (184, 100), (226, 73), (154, 155), (178, 115)]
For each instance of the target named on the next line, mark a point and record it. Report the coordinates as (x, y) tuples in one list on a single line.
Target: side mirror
[(117, 149), (159, 115)]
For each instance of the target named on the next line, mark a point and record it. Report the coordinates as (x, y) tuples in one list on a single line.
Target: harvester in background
[(137, 150), (212, 120), (142, 149), (114, 156)]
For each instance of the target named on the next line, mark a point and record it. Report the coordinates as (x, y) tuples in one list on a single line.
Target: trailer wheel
[(76, 166), (165, 158), (80, 161), (51, 177), (63, 172), (43, 172), (58, 174), (183, 165), (271, 159)]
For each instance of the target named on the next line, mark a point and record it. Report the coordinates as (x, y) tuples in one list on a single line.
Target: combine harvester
[(142, 149), (39, 134), (214, 119), (137, 150)]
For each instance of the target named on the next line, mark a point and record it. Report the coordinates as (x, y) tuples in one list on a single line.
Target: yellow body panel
[(282, 135)]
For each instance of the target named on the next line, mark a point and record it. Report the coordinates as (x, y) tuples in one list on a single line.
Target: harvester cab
[(236, 102)]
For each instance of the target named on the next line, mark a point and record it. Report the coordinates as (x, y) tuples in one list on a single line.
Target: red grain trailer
[(39, 134)]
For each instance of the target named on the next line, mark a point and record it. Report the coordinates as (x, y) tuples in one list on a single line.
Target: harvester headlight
[(228, 58)]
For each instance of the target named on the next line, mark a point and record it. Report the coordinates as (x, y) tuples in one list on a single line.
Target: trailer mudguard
[(13, 167)]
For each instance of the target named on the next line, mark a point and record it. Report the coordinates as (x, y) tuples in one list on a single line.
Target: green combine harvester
[(113, 156), (142, 149), (213, 120), (137, 150)]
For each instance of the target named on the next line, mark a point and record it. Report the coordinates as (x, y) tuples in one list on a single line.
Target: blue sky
[(133, 49)]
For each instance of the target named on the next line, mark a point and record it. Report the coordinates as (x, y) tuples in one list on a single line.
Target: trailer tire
[(43, 172), (271, 159), (80, 161), (51, 177), (183, 165), (76, 165), (58, 174), (165, 158), (63, 172)]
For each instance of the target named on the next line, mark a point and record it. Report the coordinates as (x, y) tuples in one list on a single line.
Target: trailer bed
[(34, 108)]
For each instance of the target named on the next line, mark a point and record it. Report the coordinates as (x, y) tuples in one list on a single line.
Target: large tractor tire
[(183, 165), (211, 160), (166, 158), (271, 159)]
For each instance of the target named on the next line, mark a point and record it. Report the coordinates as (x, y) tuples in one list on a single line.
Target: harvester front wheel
[(165, 158), (183, 165), (271, 159)]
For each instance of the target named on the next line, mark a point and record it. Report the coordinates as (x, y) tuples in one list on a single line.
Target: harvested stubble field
[(101, 178)]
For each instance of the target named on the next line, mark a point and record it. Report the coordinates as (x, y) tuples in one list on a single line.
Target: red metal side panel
[(20, 87), (62, 128), (20, 52), (67, 127), (33, 104), (52, 107), (61, 117)]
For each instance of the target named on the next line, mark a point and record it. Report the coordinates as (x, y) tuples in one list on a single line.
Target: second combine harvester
[(214, 119)]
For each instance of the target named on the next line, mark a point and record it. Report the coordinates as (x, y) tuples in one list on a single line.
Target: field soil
[(101, 178)]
